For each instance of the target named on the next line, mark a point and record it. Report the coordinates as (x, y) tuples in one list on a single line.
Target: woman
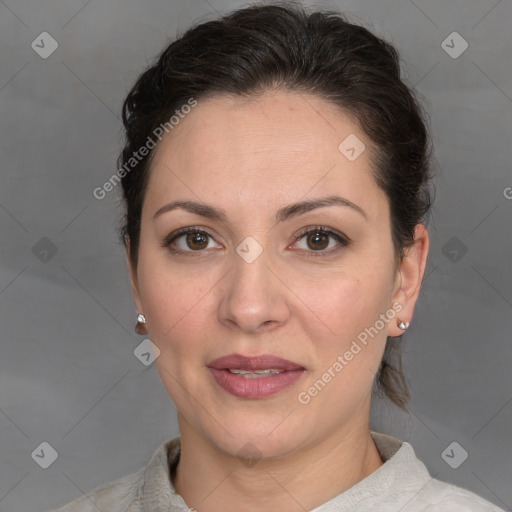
[(275, 177)]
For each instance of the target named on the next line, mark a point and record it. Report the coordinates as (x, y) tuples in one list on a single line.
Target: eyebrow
[(282, 215)]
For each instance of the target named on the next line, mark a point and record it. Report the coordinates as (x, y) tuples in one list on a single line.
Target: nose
[(253, 296)]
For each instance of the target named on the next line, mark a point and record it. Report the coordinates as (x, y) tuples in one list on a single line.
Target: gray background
[(68, 374)]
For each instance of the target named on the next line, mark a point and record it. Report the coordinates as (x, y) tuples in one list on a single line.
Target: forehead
[(280, 145)]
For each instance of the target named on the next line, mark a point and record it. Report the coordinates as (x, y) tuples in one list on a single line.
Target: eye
[(317, 240), (194, 240)]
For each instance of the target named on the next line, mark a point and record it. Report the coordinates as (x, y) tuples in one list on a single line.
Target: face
[(307, 287)]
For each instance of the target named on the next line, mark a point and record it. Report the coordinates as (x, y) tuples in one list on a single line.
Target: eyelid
[(325, 229), (183, 231), (343, 240)]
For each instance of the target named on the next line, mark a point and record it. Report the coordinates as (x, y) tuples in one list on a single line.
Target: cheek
[(331, 305), (344, 304), (174, 302), (350, 351), (177, 321)]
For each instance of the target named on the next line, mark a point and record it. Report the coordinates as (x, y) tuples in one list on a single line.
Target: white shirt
[(401, 484)]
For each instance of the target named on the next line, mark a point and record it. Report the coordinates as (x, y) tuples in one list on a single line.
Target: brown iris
[(315, 236), (195, 238)]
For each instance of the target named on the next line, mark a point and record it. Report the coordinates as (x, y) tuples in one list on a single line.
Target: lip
[(250, 363), (260, 387)]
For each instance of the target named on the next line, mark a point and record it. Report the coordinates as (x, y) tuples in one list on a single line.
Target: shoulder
[(146, 489), (404, 483), (439, 496), (119, 495)]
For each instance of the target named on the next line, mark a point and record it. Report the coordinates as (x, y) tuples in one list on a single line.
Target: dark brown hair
[(282, 46)]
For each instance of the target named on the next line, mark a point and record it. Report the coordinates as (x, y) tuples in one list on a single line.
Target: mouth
[(254, 377), (256, 374)]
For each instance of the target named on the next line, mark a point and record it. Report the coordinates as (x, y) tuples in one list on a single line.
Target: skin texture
[(250, 158)]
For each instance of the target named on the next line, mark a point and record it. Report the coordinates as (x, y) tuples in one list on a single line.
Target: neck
[(208, 479)]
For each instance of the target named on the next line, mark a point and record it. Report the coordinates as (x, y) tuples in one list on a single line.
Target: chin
[(255, 446), (267, 435)]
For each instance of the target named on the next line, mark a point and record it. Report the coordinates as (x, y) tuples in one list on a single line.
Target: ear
[(409, 277), (133, 277)]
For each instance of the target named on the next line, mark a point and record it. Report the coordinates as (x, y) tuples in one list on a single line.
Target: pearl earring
[(403, 325), (140, 326)]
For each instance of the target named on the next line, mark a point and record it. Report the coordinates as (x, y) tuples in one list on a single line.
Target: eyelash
[(343, 240)]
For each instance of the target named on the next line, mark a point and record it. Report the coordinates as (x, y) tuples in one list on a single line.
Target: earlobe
[(410, 275)]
